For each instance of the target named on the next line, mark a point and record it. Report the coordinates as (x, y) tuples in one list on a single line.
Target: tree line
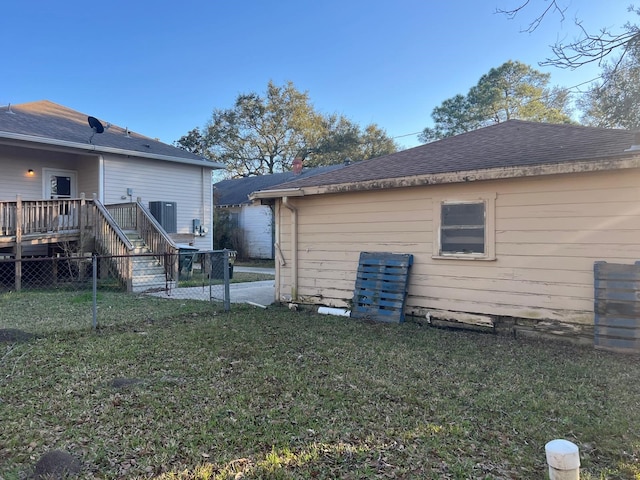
[(263, 134)]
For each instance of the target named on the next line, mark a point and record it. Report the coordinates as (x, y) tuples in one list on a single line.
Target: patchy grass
[(199, 279), (60, 312), (255, 262), (175, 390)]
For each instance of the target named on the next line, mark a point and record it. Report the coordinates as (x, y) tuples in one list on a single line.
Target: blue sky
[(161, 67)]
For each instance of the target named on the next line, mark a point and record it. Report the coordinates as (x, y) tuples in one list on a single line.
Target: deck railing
[(135, 216), (24, 218), (111, 240), (124, 214), (8, 219), (61, 218)]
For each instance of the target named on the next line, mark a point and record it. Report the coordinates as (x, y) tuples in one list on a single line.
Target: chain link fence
[(108, 283)]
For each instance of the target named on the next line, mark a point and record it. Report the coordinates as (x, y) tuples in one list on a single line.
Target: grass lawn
[(255, 262), (178, 390), (198, 278)]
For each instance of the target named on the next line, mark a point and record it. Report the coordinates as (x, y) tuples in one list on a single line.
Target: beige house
[(504, 223), (68, 178)]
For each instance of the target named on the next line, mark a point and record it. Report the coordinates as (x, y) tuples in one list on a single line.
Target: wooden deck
[(43, 221), (84, 226)]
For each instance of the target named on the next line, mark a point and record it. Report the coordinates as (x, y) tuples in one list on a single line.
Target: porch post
[(82, 222), (94, 217), (129, 269), (18, 276), (139, 221)]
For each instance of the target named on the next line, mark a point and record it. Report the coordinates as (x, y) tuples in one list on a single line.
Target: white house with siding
[(504, 224), (254, 220), (51, 152)]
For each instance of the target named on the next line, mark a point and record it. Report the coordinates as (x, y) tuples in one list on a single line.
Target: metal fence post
[(94, 262), (225, 274)]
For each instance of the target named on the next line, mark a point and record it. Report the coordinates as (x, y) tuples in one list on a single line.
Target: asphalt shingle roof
[(236, 191), (510, 144), (48, 120)]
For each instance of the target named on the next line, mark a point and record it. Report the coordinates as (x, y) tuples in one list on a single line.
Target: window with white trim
[(462, 228), (465, 228)]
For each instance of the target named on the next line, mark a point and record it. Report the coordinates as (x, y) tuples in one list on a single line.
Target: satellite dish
[(95, 125)]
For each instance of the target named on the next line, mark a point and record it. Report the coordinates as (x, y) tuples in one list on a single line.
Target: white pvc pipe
[(563, 459), (334, 311)]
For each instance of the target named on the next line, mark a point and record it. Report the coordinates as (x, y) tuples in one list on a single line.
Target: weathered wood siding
[(188, 185), (549, 232)]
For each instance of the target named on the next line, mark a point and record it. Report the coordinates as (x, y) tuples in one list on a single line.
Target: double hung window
[(465, 228)]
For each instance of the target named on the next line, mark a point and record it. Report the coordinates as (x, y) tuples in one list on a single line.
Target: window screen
[(462, 228)]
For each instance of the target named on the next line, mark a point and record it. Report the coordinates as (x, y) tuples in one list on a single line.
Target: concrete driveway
[(261, 293)]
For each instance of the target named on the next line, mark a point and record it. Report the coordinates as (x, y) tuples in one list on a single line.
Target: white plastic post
[(563, 459)]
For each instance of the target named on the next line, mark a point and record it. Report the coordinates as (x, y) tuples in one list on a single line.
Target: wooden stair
[(148, 272)]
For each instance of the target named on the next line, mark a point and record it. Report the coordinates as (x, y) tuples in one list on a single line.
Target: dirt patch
[(12, 335), (57, 464), (125, 382)]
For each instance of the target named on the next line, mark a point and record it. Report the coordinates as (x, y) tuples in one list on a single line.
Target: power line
[(599, 77)]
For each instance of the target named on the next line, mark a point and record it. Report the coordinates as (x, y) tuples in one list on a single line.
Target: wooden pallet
[(617, 307), (381, 286)]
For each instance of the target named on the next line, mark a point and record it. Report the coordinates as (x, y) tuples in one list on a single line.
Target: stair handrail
[(113, 241), (148, 217), (112, 223), (157, 240)]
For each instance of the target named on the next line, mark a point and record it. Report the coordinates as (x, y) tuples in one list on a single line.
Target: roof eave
[(101, 149), (277, 193), (625, 161)]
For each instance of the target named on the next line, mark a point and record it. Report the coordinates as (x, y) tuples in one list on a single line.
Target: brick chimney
[(296, 165)]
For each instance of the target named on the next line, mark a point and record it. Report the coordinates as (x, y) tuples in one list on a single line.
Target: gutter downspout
[(294, 248)]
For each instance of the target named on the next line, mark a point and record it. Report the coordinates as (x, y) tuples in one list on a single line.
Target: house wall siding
[(88, 175), (256, 221), (188, 185), (16, 161), (549, 231)]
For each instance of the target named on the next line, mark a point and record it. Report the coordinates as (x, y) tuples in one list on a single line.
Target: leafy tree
[(374, 142), (614, 102), (513, 90), (454, 116), (343, 140), (263, 134), (192, 142), (589, 46)]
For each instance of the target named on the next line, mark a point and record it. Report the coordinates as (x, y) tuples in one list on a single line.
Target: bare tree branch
[(591, 48), (552, 7), (588, 47)]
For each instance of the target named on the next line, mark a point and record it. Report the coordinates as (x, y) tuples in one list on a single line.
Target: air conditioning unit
[(166, 213)]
